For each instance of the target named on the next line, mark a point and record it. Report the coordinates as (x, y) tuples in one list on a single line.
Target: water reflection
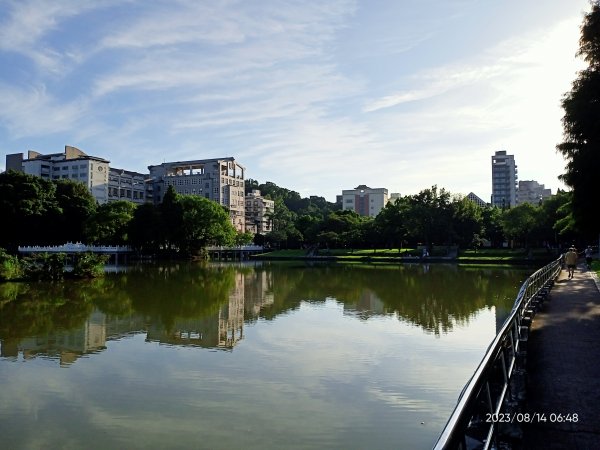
[(208, 306)]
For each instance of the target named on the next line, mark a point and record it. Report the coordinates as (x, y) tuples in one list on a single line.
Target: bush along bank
[(50, 267)]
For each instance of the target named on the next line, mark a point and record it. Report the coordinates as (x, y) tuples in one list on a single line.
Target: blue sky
[(315, 96)]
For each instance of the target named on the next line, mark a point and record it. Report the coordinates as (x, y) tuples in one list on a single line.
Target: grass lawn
[(481, 255)]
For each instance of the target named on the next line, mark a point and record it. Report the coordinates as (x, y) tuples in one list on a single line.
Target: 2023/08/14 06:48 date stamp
[(531, 417)]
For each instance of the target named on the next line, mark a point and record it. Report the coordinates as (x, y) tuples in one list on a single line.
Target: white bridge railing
[(243, 248), (78, 247)]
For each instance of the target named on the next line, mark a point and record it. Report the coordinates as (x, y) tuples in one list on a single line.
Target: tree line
[(36, 211)]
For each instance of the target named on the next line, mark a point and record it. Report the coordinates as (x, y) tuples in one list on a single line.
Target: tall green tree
[(430, 217), (146, 228), (521, 223), (110, 223), (467, 221), (204, 223), (27, 204), (581, 127), (77, 205), (171, 212)]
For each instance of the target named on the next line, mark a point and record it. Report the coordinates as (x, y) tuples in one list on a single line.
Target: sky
[(315, 96)]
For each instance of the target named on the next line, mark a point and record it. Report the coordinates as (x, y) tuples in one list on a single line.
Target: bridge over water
[(71, 248)]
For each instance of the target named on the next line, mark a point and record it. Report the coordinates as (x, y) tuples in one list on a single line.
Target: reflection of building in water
[(221, 331), (258, 291), (368, 305), (67, 345)]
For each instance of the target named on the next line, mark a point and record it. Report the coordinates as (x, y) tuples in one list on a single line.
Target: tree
[(521, 222), (110, 224), (204, 223), (430, 217), (77, 205), (391, 222), (581, 128), (492, 226), (27, 203), (146, 228), (171, 213), (467, 221)]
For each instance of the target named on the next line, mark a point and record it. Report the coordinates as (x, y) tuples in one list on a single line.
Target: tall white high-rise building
[(504, 180)]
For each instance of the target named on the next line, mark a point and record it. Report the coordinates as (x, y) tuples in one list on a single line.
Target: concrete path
[(563, 367)]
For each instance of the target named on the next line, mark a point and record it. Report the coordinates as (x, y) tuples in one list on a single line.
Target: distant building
[(504, 180), (73, 164), (127, 185), (394, 197), (219, 179), (476, 200), (532, 192), (364, 200), (258, 213)]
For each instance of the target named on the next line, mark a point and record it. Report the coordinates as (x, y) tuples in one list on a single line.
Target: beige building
[(532, 192), (127, 185), (219, 179), (258, 211), (73, 164), (364, 200)]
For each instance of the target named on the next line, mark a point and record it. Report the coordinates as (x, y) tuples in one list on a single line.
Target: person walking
[(571, 261), (588, 256)]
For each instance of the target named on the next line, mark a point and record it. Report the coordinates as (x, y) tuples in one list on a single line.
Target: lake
[(251, 355)]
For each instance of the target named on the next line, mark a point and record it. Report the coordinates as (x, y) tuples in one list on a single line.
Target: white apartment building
[(73, 164), (531, 191), (258, 211), (364, 200), (504, 180), (219, 179)]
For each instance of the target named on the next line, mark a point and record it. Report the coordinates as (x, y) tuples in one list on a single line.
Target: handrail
[(493, 391), (77, 247)]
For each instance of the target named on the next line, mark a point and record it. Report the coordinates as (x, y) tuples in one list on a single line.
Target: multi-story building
[(504, 180), (364, 200), (219, 179), (73, 164), (258, 212), (531, 191), (127, 185)]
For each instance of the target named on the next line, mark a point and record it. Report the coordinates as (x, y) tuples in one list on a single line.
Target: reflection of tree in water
[(32, 309), (435, 299), (187, 290)]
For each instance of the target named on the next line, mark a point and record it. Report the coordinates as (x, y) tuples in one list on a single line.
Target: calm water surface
[(245, 356)]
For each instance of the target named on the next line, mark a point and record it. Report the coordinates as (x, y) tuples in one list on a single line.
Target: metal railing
[(487, 413), (77, 247)]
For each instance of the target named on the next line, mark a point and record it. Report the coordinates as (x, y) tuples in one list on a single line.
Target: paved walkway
[(563, 367)]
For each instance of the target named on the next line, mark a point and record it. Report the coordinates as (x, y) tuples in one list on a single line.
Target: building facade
[(127, 185), (258, 213), (219, 179), (364, 200), (73, 164), (504, 180), (532, 192)]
